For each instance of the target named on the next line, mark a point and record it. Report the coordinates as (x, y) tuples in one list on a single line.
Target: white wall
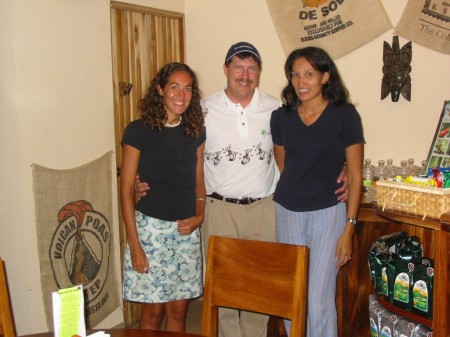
[(393, 130), (56, 105), (57, 108)]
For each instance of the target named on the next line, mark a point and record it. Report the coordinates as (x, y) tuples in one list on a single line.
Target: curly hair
[(152, 108), (334, 90)]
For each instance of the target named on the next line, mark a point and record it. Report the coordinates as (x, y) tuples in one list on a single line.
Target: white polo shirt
[(239, 158)]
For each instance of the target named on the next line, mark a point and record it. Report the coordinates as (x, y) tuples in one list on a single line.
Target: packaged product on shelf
[(399, 272), (404, 328), (388, 320), (380, 262), (440, 176), (379, 256), (422, 331), (391, 242), (375, 310), (410, 248), (399, 277), (422, 287)]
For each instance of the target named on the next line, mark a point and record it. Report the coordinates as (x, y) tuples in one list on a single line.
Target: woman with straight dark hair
[(316, 132)]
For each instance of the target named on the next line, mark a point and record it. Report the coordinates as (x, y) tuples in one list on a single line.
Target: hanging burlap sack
[(338, 26), (426, 22)]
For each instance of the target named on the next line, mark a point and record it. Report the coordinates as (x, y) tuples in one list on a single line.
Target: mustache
[(243, 79)]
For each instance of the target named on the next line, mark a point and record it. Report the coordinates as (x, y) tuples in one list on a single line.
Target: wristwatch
[(352, 221)]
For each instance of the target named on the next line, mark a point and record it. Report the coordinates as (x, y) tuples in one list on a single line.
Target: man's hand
[(342, 192), (140, 189)]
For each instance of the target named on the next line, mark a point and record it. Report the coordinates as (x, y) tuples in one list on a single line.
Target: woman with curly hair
[(315, 132), (163, 267)]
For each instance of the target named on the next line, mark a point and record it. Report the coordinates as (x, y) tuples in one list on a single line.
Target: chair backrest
[(6, 318), (265, 277)]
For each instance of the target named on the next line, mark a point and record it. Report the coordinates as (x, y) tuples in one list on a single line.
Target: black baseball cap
[(242, 47)]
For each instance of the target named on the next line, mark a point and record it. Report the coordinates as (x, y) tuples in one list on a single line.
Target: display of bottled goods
[(386, 323), (407, 172)]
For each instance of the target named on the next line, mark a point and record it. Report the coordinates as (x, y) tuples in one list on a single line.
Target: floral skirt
[(175, 261)]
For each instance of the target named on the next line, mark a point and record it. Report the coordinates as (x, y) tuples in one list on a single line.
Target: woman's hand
[(187, 226), (139, 260), (344, 246)]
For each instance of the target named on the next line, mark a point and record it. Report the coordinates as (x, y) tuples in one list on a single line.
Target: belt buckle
[(244, 201)]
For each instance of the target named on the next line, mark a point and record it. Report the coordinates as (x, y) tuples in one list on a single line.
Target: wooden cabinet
[(354, 285)]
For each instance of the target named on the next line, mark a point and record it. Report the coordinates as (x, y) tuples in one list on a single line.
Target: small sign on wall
[(439, 154)]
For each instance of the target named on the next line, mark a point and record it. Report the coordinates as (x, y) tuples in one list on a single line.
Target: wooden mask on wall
[(396, 69)]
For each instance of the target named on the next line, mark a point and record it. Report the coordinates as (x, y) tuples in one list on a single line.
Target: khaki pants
[(252, 222)]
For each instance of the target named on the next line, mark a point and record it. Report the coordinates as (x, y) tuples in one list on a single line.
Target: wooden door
[(143, 40)]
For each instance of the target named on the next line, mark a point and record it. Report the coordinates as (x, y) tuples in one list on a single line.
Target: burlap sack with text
[(338, 26), (75, 235), (426, 22)]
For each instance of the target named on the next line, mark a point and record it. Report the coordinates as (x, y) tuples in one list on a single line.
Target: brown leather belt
[(237, 201)]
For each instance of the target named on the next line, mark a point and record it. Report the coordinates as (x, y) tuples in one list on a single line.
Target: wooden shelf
[(404, 313), (354, 285), (410, 219), (437, 243)]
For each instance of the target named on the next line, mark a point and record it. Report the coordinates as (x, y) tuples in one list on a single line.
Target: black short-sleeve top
[(314, 155), (167, 162)]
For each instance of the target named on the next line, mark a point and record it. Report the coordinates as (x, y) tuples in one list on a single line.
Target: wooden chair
[(6, 318), (265, 277)]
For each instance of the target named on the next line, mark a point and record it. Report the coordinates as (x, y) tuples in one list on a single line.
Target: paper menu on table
[(68, 312)]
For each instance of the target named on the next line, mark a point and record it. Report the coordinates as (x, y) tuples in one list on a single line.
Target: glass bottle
[(391, 167), (403, 171), (381, 171), (367, 173), (423, 168), (415, 170)]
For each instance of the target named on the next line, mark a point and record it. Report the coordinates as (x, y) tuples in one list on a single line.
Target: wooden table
[(128, 333)]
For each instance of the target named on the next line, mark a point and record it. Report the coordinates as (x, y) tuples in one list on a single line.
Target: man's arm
[(342, 192)]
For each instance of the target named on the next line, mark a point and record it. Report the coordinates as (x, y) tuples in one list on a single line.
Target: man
[(240, 170)]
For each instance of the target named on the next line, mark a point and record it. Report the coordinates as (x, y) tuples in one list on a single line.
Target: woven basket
[(419, 200)]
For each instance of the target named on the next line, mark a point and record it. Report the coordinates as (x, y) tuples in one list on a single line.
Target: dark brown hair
[(152, 108)]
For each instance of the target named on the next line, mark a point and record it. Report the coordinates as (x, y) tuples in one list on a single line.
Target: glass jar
[(381, 171), (415, 170), (367, 173), (391, 167), (423, 168), (404, 170)]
